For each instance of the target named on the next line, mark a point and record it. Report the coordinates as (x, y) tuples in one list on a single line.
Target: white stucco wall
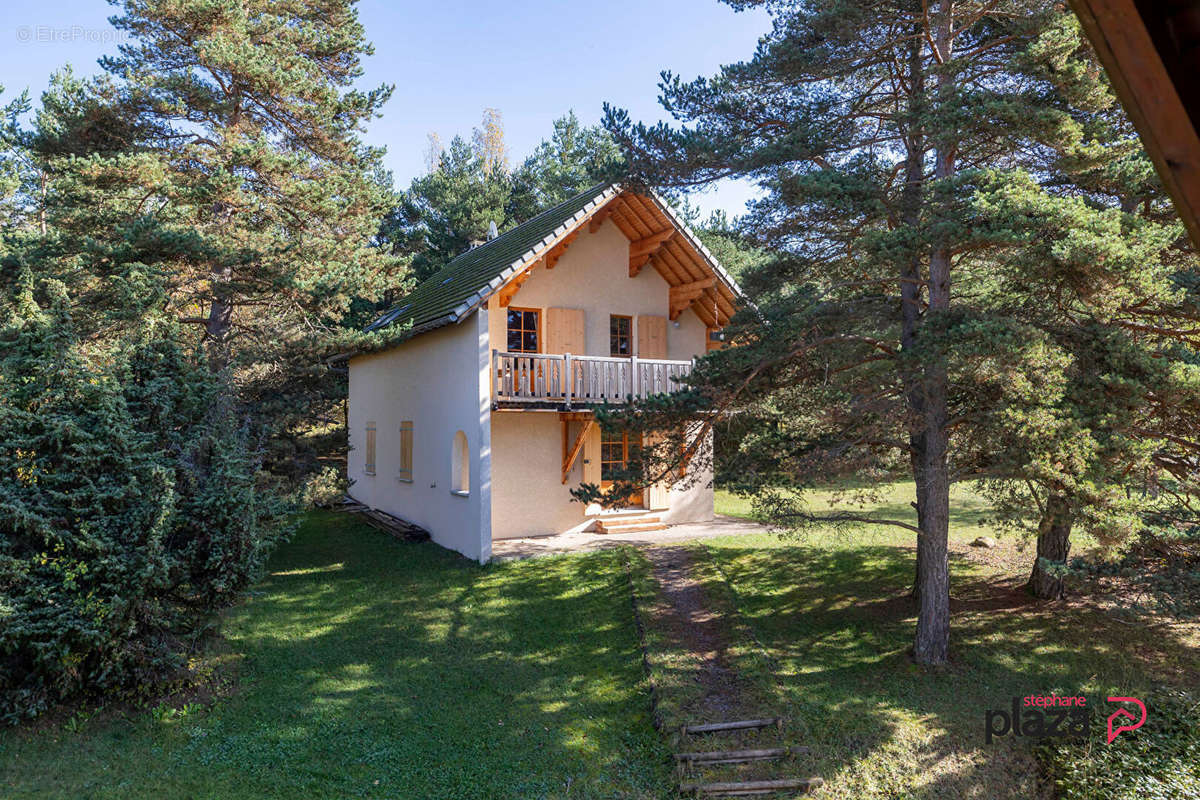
[(528, 497), (593, 274), (439, 381)]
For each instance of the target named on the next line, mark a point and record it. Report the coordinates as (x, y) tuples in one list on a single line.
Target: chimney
[(492, 232)]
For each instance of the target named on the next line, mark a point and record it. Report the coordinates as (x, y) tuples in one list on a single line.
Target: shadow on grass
[(838, 622), (379, 669)]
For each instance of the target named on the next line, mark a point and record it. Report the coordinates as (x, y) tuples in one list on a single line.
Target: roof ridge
[(594, 190), (461, 278)]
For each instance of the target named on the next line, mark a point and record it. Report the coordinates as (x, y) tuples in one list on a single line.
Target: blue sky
[(451, 59)]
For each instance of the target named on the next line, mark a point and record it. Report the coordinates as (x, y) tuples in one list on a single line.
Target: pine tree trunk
[(932, 644), (220, 319), (910, 278), (933, 558), (1053, 544)]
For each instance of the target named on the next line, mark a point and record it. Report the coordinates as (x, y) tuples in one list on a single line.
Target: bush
[(324, 489), (1159, 761), (128, 508)]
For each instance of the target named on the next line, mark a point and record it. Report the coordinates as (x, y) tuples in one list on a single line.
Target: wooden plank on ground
[(737, 756), (730, 789), (736, 725)]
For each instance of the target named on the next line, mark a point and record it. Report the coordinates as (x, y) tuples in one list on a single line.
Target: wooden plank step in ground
[(734, 725), (740, 756), (746, 788)]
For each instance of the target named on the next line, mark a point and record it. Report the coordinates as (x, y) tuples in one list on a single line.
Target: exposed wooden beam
[(641, 251), (598, 218), (685, 294), (510, 289), (556, 252), (569, 461), (1142, 81)]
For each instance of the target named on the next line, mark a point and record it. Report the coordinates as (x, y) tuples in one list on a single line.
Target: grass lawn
[(832, 614), (372, 668)]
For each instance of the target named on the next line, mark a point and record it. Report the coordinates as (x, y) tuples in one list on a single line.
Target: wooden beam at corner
[(569, 461), (685, 294), (641, 250), (509, 290), (598, 218), (556, 252), (1141, 80)]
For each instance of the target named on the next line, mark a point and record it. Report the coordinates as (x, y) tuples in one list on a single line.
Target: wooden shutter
[(591, 456), (652, 336), (406, 451), (564, 331), (369, 457)]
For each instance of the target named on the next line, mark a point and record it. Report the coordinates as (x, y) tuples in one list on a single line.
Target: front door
[(617, 449)]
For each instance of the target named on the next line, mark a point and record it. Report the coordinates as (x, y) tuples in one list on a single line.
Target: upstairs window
[(405, 472), (369, 461), (524, 326), (620, 336)]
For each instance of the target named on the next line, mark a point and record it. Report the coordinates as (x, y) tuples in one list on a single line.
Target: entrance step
[(630, 524)]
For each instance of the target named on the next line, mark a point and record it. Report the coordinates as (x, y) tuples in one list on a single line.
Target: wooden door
[(617, 449)]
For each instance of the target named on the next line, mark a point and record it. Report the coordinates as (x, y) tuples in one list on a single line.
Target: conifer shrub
[(131, 506)]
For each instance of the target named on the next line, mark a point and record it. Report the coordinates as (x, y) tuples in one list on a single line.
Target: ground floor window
[(617, 450)]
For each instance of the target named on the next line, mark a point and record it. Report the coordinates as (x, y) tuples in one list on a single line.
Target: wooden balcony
[(566, 381)]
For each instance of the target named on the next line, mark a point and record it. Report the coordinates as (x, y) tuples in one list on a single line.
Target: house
[(479, 421)]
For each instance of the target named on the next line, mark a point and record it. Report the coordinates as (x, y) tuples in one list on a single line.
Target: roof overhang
[(693, 273), (1149, 50)]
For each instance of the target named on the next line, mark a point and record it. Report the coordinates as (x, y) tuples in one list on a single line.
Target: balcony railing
[(580, 380)]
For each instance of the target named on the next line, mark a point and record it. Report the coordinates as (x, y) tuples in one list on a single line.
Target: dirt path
[(684, 618)]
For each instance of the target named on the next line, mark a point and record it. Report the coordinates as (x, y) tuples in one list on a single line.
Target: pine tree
[(443, 212), (249, 138), (907, 154), (574, 158)]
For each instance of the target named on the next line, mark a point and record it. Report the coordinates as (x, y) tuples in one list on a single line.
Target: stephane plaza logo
[(1066, 716)]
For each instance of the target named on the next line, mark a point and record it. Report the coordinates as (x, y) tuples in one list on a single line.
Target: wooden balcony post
[(568, 379), (633, 376)]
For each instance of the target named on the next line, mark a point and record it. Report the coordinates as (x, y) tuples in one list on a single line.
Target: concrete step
[(631, 524)]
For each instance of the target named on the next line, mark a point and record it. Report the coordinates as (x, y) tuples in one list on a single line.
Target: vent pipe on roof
[(492, 232)]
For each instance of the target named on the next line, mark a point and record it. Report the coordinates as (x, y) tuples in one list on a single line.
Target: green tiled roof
[(437, 300)]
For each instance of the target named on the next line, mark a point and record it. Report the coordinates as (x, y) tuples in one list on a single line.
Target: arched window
[(460, 465)]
